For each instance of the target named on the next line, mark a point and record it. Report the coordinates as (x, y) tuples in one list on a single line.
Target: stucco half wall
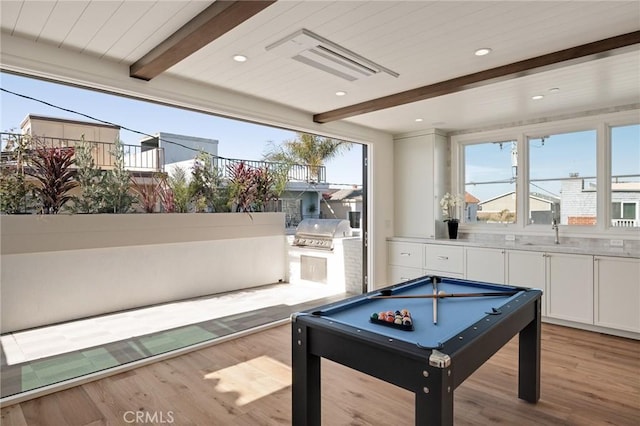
[(59, 268)]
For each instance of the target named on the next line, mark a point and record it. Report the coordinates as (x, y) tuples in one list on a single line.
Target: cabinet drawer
[(399, 274), (405, 254), (444, 258)]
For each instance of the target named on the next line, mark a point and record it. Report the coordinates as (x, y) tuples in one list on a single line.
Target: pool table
[(432, 356)]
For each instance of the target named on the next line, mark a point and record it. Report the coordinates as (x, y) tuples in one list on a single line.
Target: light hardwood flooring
[(587, 379)]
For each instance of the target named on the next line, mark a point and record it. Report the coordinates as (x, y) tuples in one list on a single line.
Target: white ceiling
[(424, 41)]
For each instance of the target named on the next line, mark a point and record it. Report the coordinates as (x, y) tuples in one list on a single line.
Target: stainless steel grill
[(320, 233)]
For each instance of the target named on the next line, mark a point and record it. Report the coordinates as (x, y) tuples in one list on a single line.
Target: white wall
[(58, 268), (35, 59)]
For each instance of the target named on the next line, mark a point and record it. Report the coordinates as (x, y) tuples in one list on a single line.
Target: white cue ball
[(441, 293)]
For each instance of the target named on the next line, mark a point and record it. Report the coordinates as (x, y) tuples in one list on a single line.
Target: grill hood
[(319, 233)]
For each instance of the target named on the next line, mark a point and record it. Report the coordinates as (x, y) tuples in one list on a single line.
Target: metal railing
[(294, 172), (138, 158), (135, 159)]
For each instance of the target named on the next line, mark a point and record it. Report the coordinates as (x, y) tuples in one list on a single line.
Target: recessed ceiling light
[(239, 58), (537, 97), (340, 93), (418, 120), (483, 51), (554, 90)]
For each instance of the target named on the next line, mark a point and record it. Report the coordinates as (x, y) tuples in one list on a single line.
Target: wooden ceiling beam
[(218, 19), (562, 58)]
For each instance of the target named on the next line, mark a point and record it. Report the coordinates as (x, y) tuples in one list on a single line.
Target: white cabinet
[(617, 287), (570, 287), (405, 261), (484, 264), (420, 179), (527, 269), (444, 260), (599, 293)]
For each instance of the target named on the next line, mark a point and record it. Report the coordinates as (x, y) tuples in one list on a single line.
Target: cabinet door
[(527, 269), (420, 177), (570, 287), (485, 265), (617, 286)]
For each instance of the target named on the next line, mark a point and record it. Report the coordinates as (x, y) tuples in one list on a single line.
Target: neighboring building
[(489, 209), (63, 132), (470, 208), (179, 148), (625, 204), (576, 205), (542, 207), (63, 128), (579, 203), (343, 203)]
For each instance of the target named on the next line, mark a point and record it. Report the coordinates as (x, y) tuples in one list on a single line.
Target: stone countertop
[(589, 246)]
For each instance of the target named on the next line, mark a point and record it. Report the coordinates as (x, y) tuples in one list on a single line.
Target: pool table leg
[(529, 359), (305, 384), (436, 407)]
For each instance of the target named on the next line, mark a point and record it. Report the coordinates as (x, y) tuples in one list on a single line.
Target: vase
[(453, 229)]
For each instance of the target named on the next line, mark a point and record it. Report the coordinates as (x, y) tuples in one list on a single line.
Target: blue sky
[(237, 139), (557, 157)]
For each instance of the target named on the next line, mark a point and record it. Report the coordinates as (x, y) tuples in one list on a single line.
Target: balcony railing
[(135, 159), (624, 223), (295, 172)]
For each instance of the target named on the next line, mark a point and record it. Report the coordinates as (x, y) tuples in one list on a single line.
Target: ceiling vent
[(318, 52)]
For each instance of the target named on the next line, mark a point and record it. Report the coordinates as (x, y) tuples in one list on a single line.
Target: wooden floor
[(587, 379)]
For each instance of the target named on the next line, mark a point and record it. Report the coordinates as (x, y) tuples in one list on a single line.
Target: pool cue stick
[(445, 295), (434, 282)]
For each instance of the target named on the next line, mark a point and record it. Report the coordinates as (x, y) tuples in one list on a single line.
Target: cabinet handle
[(443, 257), (405, 254), (404, 279)]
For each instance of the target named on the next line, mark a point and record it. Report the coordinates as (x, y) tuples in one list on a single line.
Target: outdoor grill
[(320, 233)]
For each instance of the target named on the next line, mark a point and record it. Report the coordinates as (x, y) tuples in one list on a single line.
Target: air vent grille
[(320, 53)]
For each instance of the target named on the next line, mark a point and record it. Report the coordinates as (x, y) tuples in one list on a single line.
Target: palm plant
[(308, 149)]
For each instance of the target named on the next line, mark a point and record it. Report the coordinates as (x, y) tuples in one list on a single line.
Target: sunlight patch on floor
[(253, 379)]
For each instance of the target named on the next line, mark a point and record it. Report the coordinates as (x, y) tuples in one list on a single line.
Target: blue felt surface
[(454, 314)]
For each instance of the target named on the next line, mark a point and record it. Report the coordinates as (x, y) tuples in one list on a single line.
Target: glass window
[(562, 178), (625, 176), (490, 172)]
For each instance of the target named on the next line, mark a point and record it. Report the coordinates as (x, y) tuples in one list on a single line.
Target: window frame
[(601, 123)]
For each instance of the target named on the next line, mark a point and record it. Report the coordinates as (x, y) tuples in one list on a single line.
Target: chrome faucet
[(554, 226)]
